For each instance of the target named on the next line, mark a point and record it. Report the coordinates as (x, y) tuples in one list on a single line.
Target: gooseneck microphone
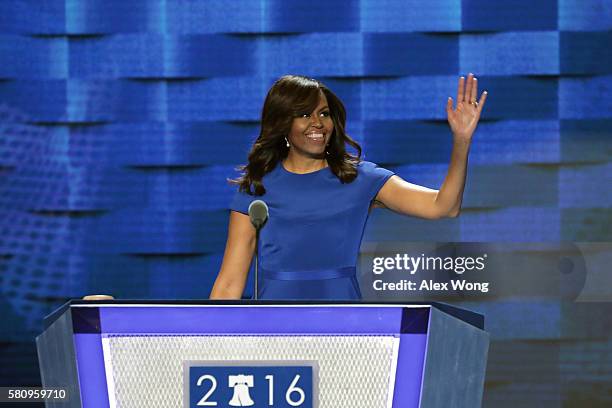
[(258, 213)]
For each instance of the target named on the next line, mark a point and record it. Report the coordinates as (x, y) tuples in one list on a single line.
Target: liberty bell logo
[(241, 384)]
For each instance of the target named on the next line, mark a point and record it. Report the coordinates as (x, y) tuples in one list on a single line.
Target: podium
[(136, 354)]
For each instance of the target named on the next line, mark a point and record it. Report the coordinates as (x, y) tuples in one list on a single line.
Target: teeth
[(315, 135)]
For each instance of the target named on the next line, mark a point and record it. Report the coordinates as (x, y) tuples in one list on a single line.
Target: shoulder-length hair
[(289, 97)]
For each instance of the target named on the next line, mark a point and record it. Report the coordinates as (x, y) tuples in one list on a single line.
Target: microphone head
[(258, 213)]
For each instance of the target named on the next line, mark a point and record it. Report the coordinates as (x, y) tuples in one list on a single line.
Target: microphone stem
[(256, 291)]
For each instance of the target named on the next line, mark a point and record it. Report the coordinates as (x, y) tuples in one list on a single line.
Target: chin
[(317, 155)]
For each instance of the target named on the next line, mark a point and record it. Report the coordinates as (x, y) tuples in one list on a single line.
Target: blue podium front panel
[(363, 355), (127, 354)]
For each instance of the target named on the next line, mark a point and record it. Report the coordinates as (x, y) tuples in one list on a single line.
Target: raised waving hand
[(464, 118)]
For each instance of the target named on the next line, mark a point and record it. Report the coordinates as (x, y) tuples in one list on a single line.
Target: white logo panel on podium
[(145, 371)]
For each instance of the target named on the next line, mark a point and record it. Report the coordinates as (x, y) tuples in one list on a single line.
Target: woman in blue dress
[(319, 195)]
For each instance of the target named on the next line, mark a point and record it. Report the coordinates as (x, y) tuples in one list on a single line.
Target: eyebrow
[(323, 108)]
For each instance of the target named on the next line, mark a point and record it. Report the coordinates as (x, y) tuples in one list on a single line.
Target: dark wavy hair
[(289, 97)]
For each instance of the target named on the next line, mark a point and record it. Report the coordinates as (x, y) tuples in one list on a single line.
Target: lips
[(316, 137)]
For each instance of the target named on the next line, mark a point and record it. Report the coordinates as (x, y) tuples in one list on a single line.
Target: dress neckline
[(284, 169)]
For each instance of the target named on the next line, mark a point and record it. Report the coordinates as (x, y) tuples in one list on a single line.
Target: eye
[(304, 115), (325, 114)]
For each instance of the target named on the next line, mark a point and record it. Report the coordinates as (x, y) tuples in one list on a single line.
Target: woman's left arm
[(411, 199)]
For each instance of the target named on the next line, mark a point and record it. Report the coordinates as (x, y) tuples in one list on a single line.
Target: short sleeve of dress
[(374, 177), (241, 201)]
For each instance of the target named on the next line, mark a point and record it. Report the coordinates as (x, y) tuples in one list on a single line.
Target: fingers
[(482, 100), (467, 91), (449, 104), (468, 88), (460, 90)]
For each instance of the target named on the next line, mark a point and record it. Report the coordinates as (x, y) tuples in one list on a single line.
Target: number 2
[(213, 381)]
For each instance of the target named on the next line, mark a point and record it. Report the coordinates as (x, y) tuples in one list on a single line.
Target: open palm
[(464, 118)]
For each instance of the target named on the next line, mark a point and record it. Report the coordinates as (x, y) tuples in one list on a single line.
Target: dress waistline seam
[(345, 272)]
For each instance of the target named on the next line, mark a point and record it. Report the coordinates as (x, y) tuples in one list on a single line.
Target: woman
[(319, 195)]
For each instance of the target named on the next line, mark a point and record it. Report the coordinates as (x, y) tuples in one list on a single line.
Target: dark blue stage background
[(121, 120)]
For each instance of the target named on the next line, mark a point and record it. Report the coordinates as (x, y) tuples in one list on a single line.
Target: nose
[(316, 121)]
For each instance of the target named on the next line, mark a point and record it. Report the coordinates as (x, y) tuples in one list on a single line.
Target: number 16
[(292, 389)]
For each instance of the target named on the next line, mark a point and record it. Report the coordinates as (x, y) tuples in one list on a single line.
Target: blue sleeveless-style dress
[(309, 246)]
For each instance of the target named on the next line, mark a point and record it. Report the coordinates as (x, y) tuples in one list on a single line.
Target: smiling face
[(311, 131)]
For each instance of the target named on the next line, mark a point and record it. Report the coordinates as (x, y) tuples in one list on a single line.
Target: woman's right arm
[(237, 258)]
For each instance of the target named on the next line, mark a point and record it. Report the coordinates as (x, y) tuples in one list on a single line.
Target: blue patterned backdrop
[(121, 120)]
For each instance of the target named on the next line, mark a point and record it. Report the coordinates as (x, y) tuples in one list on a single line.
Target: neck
[(303, 164)]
